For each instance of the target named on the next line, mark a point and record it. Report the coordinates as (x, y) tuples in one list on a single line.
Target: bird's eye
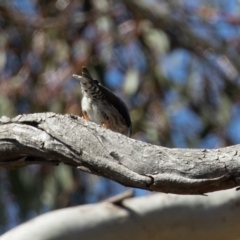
[(96, 82)]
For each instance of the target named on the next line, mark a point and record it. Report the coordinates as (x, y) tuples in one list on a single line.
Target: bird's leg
[(105, 125), (85, 116)]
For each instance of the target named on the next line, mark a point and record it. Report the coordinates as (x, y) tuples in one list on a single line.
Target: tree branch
[(49, 138), (158, 216)]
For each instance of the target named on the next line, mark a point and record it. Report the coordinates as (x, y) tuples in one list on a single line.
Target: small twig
[(117, 199)]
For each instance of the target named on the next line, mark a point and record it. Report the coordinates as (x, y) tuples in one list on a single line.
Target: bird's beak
[(77, 76)]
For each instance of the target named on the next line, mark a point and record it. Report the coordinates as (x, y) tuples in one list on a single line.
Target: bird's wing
[(117, 103)]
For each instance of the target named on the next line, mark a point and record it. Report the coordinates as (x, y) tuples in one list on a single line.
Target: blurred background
[(174, 62)]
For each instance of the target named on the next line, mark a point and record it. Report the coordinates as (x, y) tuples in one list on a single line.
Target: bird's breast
[(92, 108)]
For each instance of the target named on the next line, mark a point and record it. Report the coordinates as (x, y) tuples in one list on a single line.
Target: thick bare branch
[(158, 216), (49, 138)]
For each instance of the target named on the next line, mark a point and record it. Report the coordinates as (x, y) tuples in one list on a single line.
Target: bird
[(102, 106)]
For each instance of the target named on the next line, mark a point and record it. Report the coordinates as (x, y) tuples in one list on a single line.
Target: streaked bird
[(102, 106)]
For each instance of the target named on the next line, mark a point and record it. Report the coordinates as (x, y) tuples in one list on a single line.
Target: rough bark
[(159, 216), (49, 138)]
